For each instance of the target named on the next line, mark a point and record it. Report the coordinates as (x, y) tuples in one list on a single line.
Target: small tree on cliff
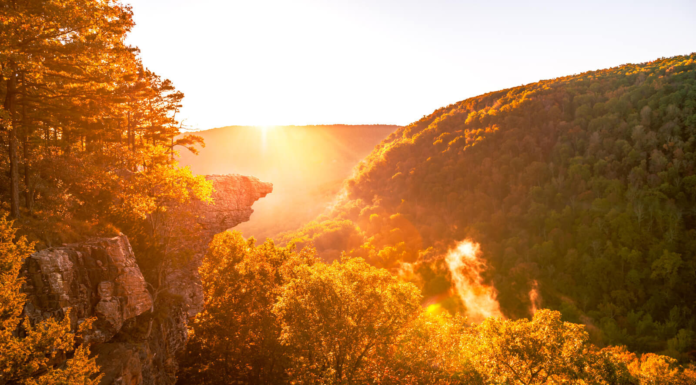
[(36, 358)]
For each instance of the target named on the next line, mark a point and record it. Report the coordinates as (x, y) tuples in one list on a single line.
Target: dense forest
[(88, 137), (80, 116), (577, 189), (274, 315), (581, 189)]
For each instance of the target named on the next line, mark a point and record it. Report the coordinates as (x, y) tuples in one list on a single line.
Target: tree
[(553, 179), (544, 350), (432, 350), (274, 316), (237, 336), (78, 107), (54, 51), (337, 318), (652, 369), (38, 356), (156, 211)]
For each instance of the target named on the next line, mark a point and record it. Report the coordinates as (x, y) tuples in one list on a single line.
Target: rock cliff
[(99, 278), (136, 337), (233, 197), (232, 200)]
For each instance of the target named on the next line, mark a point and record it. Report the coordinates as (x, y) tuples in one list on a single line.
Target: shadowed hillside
[(306, 164)]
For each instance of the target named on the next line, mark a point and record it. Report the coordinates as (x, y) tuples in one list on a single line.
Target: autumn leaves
[(274, 315)]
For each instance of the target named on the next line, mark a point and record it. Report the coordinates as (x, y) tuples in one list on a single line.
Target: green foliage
[(584, 184)]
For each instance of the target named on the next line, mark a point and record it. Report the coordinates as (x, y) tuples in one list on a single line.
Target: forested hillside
[(579, 189)]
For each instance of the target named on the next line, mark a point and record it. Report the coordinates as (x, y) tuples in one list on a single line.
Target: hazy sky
[(258, 62)]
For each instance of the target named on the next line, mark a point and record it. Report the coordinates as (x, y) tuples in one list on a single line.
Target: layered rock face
[(99, 278), (232, 200), (136, 337), (96, 279)]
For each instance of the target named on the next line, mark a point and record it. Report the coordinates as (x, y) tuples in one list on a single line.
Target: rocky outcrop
[(136, 337), (99, 278), (232, 200), (233, 196)]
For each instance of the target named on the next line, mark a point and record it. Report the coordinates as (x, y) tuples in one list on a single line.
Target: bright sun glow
[(264, 134)]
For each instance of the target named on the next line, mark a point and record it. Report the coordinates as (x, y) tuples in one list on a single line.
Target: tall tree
[(56, 48)]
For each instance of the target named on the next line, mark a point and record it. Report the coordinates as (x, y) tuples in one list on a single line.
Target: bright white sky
[(282, 62)]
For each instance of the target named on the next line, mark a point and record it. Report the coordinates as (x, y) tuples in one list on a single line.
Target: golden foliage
[(273, 315), (431, 350), (38, 356), (236, 337), (336, 318)]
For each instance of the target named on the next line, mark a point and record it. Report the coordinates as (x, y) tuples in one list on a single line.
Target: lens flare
[(466, 267)]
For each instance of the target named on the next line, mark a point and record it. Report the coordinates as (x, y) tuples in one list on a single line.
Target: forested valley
[(582, 185), (568, 202), (542, 234)]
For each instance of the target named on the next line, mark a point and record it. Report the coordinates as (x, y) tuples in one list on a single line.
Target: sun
[(264, 134), (265, 129)]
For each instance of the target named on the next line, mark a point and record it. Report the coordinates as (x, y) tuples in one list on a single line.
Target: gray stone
[(99, 278)]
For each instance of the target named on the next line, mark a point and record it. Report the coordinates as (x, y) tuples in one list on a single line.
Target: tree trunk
[(14, 164), (65, 138), (26, 125), (131, 135), (29, 191)]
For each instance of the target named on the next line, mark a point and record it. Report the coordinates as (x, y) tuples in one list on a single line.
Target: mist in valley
[(306, 164)]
